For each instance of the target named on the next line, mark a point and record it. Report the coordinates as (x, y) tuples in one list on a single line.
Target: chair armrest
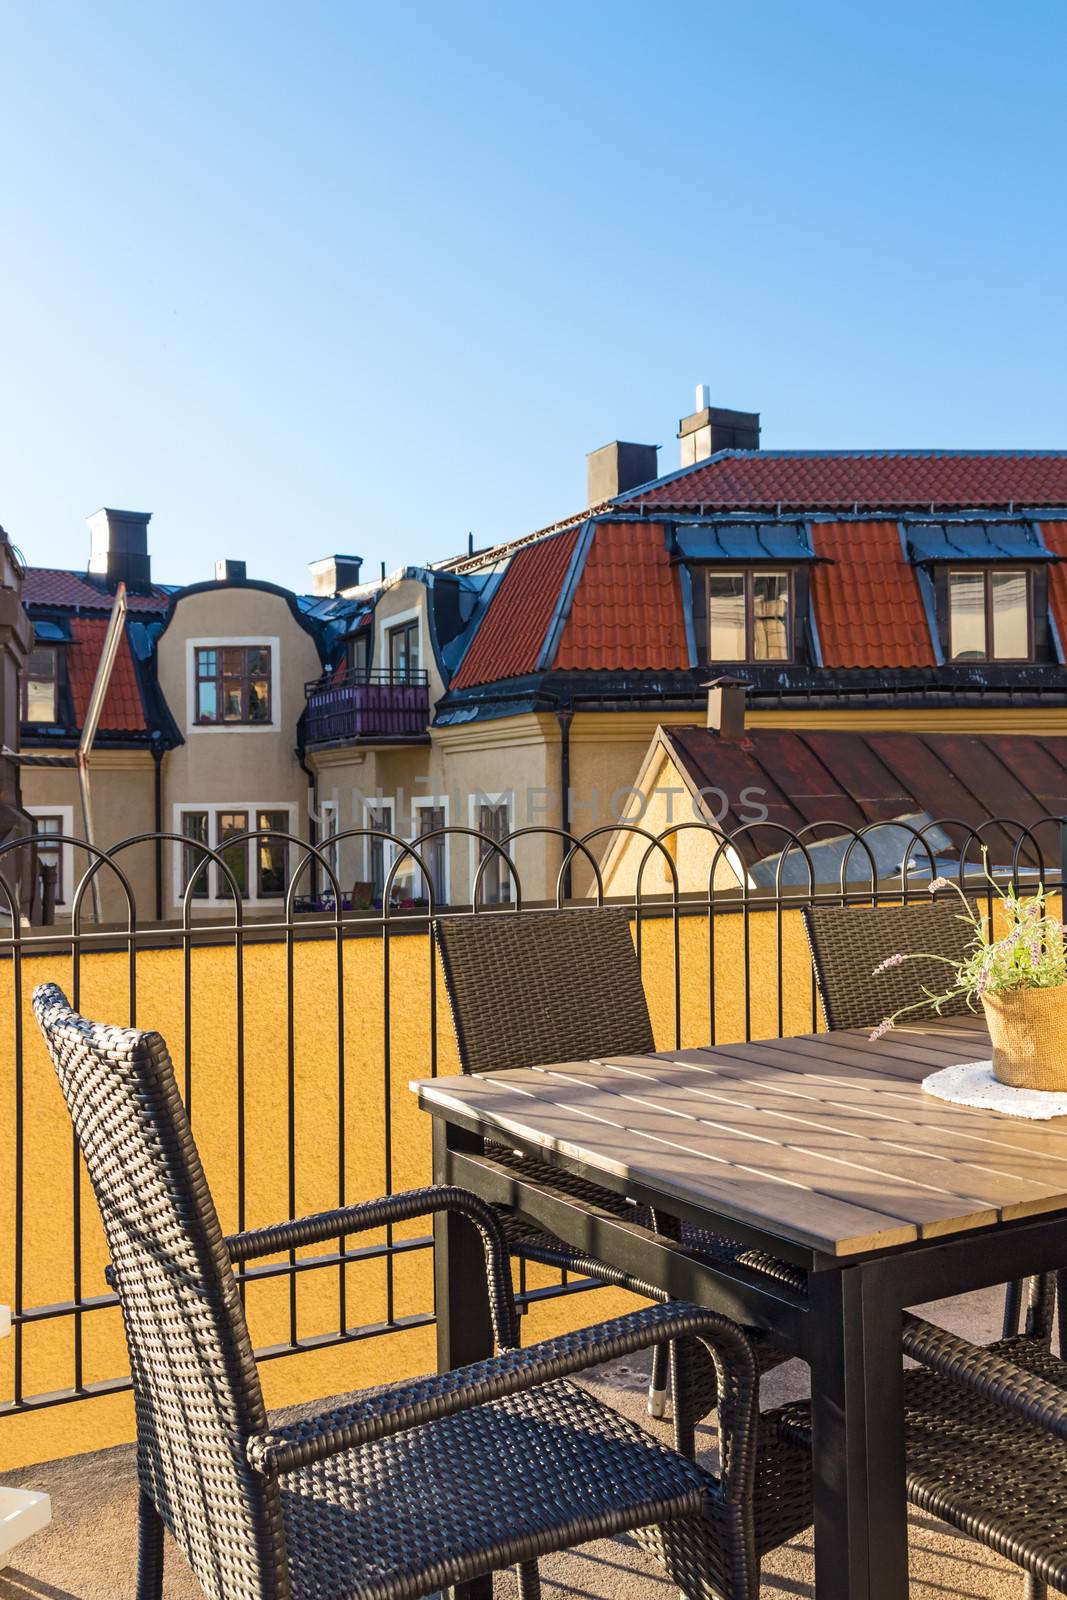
[(399, 1208), (394, 1411), (989, 1374)]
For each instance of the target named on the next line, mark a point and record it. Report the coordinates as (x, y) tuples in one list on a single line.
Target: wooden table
[(823, 1150)]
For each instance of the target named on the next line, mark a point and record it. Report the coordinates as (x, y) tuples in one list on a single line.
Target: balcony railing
[(367, 704)]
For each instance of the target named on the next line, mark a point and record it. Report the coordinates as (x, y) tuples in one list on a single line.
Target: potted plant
[(1020, 979)]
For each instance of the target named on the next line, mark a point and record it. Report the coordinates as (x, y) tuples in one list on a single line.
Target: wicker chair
[(848, 942), (538, 987), (404, 1491), (986, 1430)]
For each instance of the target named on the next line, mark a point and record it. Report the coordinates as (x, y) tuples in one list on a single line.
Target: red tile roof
[(510, 638), (54, 586), (866, 598), (627, 607), (123, 711), (840, 480), (1056, 538)]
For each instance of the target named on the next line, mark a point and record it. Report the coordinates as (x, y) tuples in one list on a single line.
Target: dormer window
[(751, 614), (989, 615), (40, 685)]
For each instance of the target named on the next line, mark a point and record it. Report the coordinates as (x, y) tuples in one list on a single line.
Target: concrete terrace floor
[(89, 1553)]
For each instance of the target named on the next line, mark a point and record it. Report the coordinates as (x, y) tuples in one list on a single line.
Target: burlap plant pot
[(1028, 1028)]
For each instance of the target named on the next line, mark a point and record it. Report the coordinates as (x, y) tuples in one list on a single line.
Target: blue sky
[(323, 277)]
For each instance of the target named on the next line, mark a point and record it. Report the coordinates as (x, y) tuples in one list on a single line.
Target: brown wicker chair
[(848, 942), (404, 1491), (986, 1430), (536, 987)]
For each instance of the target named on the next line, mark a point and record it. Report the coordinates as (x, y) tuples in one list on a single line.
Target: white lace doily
[(973, 1084)]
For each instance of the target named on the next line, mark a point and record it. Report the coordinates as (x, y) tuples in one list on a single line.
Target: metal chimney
[(726, 706)]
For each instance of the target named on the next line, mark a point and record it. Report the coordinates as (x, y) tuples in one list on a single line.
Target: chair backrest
[(531, 987), (848, 942), (196, 1389)]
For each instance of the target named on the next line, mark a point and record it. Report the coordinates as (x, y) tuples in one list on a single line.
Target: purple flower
[(884, 966), (882, 1028)]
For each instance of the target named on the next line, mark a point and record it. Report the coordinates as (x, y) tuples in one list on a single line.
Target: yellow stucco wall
[(48, 1345)]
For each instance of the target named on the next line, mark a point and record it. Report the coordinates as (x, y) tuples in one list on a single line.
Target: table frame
[(848, 1329)]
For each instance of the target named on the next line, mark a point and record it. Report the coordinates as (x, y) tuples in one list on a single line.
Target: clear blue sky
[(313, 277)]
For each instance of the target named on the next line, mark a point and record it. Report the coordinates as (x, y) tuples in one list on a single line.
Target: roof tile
[(510, 638), (55, 586), (1055, 534), (123, 710), (867, 603), (627, 608)]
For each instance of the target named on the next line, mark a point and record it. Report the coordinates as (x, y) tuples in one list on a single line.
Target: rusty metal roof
[(853, 779)]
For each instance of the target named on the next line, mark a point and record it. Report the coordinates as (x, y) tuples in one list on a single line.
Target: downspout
[(564, 717), (313, 819), (157, 801)]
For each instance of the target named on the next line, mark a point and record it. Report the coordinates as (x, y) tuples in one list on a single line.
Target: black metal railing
[(367, 703), (338, 1009)]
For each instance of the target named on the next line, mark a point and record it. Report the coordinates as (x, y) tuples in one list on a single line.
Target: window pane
[(431, 818), (770, 616), (381, 851), (726, 616), (207, 702), (206, 663), (495, 886), (50, 853), (232, 710), (404, 648), (966, 609), (272, 855), (231, 823), (194, 826), (259, 700), (39, 680), (1011, 621)]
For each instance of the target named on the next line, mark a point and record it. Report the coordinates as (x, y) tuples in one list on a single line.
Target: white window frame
[(269, 642), (66, 850), (505, 797), (213, 807), (386, 626), (439, 802)]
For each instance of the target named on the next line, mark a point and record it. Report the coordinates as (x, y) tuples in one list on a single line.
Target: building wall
[(122, 786), (240, 768)]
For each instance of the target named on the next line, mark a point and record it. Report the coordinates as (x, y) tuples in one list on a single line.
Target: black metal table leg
[(861, 1536), (464, 1330)]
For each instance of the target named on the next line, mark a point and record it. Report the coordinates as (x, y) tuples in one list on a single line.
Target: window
[(404, 649), (233, 684), (356, 653), (40, 685), (51, 854), (750, 616), (429, 817), (989, 615), (493, 820), (259, 865)]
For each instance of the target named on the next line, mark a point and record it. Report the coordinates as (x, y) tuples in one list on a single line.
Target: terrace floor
[(89, 1551)]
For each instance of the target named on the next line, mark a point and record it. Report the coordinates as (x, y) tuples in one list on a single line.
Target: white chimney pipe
[(703, 397)]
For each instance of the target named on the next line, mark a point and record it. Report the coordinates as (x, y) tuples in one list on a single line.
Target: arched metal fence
[(716, 930)]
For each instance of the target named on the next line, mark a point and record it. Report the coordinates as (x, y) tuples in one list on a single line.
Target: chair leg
[(1013, 1305), (149, 1551), (657, 1389), (529, 1581), (1033, 1588)]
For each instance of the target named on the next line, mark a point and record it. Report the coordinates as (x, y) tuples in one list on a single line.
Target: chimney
[(334, 574), (119, 547), (726, 706), (230, 571), (616, 467), (711, 428)]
